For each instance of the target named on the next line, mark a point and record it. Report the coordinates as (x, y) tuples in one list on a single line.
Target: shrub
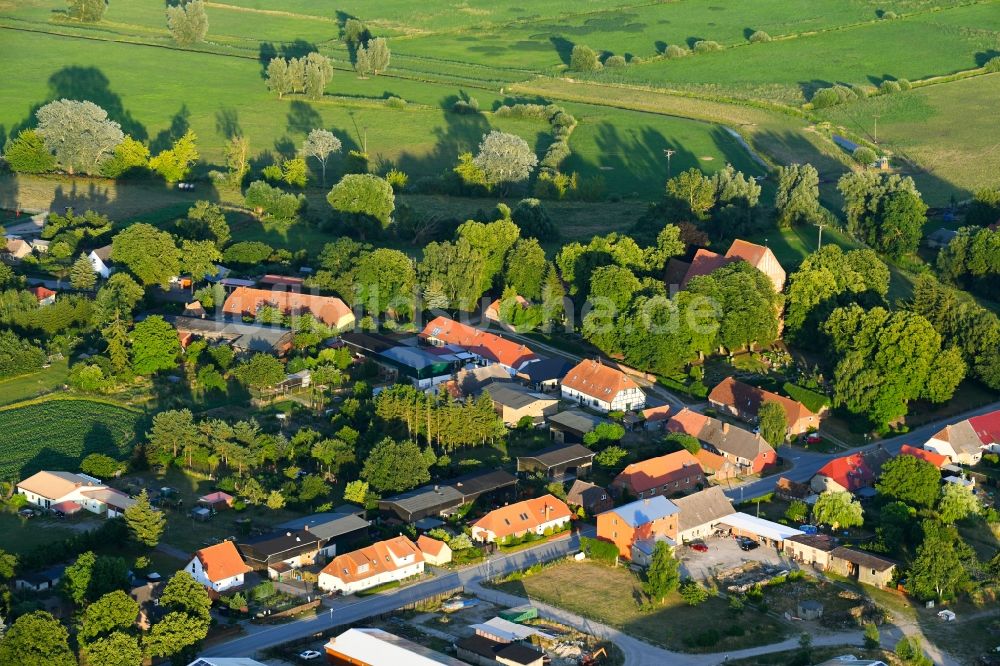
[(992, 65), (889, 16), (693, 593), (759, 36), (27, 154), (706, 46), (397, 179), (602, 551), (584, 59), (888, 87), (272, 201), (636, 60), (394, 102), (864, 155), (470, 106), (904, 84), (824, 97), (675, 51), (615, 61)]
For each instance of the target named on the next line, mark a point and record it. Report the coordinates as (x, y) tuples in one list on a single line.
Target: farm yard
[(58, 434)]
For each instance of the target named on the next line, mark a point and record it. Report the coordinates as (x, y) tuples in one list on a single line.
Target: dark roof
[(369, 342), (326, 526), (582, 492), (703, 508), (862, 559), (251, 337), (491, 649), (278, 542), (560, 455), (423, 501), (477, 483), (576, 420), (823, 542), (44, 576), (546, 369), (516, 396)]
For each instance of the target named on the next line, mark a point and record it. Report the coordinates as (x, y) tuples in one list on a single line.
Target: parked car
[(747, 543), (698, 546), (27, 513), (309, 655)]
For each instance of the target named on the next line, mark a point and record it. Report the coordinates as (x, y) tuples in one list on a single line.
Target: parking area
[(724, 553)]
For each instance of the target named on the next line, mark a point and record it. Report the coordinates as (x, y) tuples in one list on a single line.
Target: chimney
[(646, 501), (548, 510), (305, 527)]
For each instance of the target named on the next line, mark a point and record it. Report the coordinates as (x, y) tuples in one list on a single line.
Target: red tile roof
[(523, 516), (987, 427), (281, 279), (246, 301), (761, 258), (378, 557), (704, 263), (655, 472), (933, 458), (597, 380), (486, 345), (429, 546), (748, 399), (850, 472), (222, 561), (654, 414), (41, 293)]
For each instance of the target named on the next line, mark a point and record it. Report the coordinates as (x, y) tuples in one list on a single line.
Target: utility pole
[(819, 244), (876, 128), (669, 152)]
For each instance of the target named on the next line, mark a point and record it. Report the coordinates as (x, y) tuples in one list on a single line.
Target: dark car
[(747, 544)]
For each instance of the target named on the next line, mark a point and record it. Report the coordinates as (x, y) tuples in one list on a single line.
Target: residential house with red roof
[(965, 442), (642, 523), (44, 296), (672, 474), (744, 401), (603, 388), (705, 262), (933, 458), (492, 312), (748, 452), (246, 301), (436, 552), (487, 347), (851, 473), (379, 563), (535, 515), (219, 567)]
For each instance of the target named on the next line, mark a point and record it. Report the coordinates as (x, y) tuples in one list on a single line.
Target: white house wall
[(329, 582)]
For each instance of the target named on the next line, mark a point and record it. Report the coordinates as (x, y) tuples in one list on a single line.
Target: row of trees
[(309, 74), (447, 423)]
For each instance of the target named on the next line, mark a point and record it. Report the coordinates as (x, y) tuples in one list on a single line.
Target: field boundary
[(55, 397)]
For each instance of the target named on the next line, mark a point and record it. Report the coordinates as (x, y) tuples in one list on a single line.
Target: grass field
[(575, 586), (57, 434), (24, 387)]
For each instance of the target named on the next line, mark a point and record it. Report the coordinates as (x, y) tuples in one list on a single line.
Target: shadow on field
[(8, 194), (809, 88), (564, 48), (179, 124), (227, 122), (984, 57), (302, 118)]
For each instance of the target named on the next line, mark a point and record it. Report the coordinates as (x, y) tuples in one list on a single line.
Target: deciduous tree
[(694, 191), (260, 371), (838, 509), (116, 649), (319, 145), (378, 54), (175, 163), (155, 346), (773, 423), (88, 11), (36, 639), (27, 153), (393, 466), (79, 134), (385, 282), (364, 195), (584, 59), (505, 159), (797, 198), (115, 611), (957, 502), (187, 22), (664, 572)]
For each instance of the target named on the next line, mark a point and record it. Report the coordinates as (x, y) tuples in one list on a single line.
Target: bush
[(693, 593), (904, 84), (888, 87), (706, 46), (27, 154), (759, 36), (889, 16), (584, 59), (394, 102), (272, 201), (864, 155), (470, 106), (992, 65), (824, 97), (598, 550), (397, 179), (615, 61), (675, 51)]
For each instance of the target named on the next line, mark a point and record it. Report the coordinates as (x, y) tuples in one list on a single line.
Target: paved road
[(806, 464), (260, 637)]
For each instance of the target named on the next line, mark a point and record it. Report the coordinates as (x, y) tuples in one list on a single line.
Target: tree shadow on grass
[(227, 122), (302, 118), (90, 83), (564, 48), (179, 125)]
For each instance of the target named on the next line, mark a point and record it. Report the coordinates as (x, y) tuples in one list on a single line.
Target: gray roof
[(862, 559), (560, 455), (249, 337), (702, 508), (471, 382), (574, 419), (102, 253), (546, 369), (515, 396), (732, 440), (644, 511), (415, 357), (327, 525), (963, 438), (427, 499), (942, 235), (582, 491)]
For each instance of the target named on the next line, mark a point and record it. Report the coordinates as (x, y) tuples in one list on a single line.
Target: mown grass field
[(58, 434)]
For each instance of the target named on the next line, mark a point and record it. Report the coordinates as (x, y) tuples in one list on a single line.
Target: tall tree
[(773, 423), (199, 258), (82, 275), (505, 159), (175, 163), (117, 298), (526, 266), (494, 241), (76, 580), (36, 639), (838, 509), (750, 307), (447, 273), (184, 594), (88, 11), (260, 371), (385, 282), (910, 479), (148, 253), (187, 22), (957, 502), (938, 571), (237, 161), (145, 523), (319, 145), (155, 346), (663, 574), (797, 198), (365, 196), (26, 153), (115, 611), (318, 73), (378, 54), (693, 191), (393, 466), (584, 59), (79, 134), (116, 649), (279, 79), (362, 61)]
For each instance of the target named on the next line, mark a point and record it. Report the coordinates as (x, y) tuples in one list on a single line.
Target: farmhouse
[(532, 515), (67, 493), (964, 442), (558, 462), (219, 567), (333, 529), (813, 549), (601, 387), (646, 519), (374, 647), (278, 553), (743, 401), (514, 403), (433, 500), (851, 473), (762, 258), (701, 512), (100, 259), (381, 562), (593, 499), (15, 250), (436, 552), (246, 301), (672, 474), (486, 347), (748, 452)]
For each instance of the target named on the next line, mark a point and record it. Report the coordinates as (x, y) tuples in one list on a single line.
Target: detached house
[(852, 473), (744, 401), (646, 520), (486, 348), (601, 387), (965, 442), (15, 249), (245, 301), (278, 553), (44, 296), (533, 515), (672, 474), (382, 562), (100, 259), (68, 493), (748, 452), (219, 567), (706, 261)]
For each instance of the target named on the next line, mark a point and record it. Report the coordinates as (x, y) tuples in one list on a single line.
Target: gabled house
[(246, 301), (381, 562), (362, 646), (744, 401), (672, 474), (335, 530), (851, 473), (965, 442), (436, 552), (593, 499), (864, 567), (701, 512), (16, 249), (492, 311), (545, 374), (933, 458), (534, 515), (68, 493), (100, 259), (650, 519), (43, 296), (603, 388), (219, 567), (278, 553), (512, 402), (487, 348), (762, 258), (748, 452)]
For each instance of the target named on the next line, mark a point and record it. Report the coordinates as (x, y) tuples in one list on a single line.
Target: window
[(614, 535), (604, 497), (615, 521)]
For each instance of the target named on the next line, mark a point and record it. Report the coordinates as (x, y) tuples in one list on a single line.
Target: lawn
[(575, 585), (58, 434), (22, 536), (44, 381)]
